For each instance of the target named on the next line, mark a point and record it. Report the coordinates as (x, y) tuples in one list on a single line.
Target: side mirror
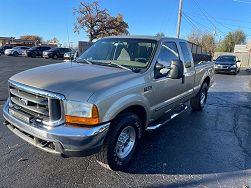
[(176, 69)]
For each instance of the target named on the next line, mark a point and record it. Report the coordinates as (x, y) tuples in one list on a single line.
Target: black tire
[(196, 102), (108, 156), (55, 56), (15, 54), (33, 55)]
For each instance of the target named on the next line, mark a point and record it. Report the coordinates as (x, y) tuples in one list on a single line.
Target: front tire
[(121, 142), (55, 56), (198, 102)]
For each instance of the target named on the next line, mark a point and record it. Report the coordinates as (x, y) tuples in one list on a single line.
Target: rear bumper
[(62, 139)]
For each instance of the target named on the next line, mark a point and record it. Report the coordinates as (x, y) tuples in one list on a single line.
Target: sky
[(55, 18)]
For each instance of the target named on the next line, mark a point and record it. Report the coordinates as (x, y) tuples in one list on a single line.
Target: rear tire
[(198, 102), (15, 54), (121, 142), (33, 55)]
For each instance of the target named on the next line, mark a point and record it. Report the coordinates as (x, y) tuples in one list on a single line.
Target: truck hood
[(74, 80)]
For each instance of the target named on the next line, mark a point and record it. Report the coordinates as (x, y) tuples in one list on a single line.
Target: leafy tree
[(160, 34), (98, 22), (230, 40), (34, 38)]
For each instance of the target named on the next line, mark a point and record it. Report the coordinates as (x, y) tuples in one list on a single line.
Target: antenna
[(68, 38)]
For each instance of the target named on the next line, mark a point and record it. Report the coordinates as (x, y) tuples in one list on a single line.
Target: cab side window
[(168, 53), (186, 53)]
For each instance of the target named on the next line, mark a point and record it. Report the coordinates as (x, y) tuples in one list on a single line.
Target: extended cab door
[(189, 70), (167, 92)]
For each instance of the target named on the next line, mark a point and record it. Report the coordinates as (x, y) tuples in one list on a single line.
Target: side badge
[(148, 88)]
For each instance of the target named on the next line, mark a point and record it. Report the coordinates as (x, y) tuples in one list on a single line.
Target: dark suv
[(36, 51), (3, 48), (55, 53)]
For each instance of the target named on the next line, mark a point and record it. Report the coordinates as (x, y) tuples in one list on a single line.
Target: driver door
[(167, 91)]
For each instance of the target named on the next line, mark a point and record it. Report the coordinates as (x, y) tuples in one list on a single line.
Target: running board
[(162, 121)]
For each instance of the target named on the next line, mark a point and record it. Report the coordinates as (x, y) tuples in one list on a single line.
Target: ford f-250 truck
[(102, 102)]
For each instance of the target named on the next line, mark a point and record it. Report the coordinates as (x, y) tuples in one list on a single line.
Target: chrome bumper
[(62, 139)]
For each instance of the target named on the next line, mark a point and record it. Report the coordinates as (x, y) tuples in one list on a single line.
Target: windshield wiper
[(84, 60), (118, 65)]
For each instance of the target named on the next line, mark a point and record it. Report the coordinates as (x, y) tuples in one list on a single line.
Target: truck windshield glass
[(124, 53)]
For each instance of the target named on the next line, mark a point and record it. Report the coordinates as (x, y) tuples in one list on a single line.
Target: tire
[(33, 55), (15, 54), (114, 154), (55, 56), (198, 102)]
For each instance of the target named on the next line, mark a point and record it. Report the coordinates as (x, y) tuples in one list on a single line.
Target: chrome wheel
[(203, 98), (125, 142)]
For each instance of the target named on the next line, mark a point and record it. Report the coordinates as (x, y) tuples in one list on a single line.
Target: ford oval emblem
[(24, 102)]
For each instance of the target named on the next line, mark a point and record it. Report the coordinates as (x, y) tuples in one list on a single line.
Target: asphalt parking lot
[(203, 149)]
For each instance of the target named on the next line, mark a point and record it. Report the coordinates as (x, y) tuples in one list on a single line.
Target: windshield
[(226, 59), (53, 49), (129, 53), (33, 48)]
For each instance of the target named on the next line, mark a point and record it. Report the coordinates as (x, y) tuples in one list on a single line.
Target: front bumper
[(47, 55), (62, 139), (227, 70), (9, 53)]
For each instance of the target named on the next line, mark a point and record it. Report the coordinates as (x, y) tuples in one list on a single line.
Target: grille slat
[(29, 97), (41, 106), (37, 109)]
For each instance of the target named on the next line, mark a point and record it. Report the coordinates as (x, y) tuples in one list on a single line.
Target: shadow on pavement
[(216, 140)]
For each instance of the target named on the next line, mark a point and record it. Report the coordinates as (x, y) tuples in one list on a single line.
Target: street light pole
[(179, 19)]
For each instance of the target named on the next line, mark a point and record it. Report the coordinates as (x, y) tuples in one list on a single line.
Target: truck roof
[(157, 38)]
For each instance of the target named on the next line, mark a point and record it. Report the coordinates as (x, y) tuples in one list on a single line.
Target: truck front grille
[(35, 106)]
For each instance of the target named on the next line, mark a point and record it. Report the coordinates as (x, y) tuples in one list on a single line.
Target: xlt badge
[(148, 88)]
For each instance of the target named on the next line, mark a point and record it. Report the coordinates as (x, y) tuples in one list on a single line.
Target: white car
[(73, 54), (16, 51)]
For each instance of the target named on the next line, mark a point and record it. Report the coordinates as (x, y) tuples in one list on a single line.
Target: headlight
[(80, 113), (233, 66)]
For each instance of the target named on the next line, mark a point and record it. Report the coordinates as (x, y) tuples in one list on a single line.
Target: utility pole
[(179, 19)]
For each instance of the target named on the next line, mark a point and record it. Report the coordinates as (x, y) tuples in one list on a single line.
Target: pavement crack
[(235, 130), (86, 169)]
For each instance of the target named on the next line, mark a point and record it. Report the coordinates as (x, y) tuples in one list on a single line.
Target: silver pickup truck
[(104, 101)]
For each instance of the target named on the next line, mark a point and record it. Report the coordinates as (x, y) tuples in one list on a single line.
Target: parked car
[(36, 51), (16, 51), (227, 64), (3, 48), (118, 88), (55, 53), (71, 55)]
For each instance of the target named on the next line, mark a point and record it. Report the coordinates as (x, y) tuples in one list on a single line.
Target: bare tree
[(160, 34), (206, 40), (98, 22)]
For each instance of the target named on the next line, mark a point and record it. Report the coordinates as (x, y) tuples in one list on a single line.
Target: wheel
[(198, 102), (33, 55), (15, 54), (121, 141), (55, 56)]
